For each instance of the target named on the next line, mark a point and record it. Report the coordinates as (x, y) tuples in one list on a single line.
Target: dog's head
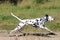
[(49, 18)]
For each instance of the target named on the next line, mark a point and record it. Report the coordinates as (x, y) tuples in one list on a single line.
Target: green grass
[(7, 22)]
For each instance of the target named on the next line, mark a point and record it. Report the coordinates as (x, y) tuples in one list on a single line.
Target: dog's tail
[(15, 16)]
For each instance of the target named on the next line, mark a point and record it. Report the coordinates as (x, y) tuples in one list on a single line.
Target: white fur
[(39, 23)]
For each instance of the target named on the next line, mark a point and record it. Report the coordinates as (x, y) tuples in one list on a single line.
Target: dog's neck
[(44, 19)]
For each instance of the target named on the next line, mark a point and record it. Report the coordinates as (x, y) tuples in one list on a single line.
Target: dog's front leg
[(50, 32), (43, 27)]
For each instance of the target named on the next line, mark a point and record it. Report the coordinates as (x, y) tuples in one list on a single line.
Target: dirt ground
[(28, 36)]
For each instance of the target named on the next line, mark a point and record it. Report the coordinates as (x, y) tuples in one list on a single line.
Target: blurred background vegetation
[(25, 9)]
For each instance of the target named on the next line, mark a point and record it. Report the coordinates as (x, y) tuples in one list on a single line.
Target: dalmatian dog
[(37, 22)]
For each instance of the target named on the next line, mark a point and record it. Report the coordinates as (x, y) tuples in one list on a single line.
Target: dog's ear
[(46, 15)]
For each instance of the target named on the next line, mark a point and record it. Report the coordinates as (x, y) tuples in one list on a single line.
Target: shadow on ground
[(38, 34)]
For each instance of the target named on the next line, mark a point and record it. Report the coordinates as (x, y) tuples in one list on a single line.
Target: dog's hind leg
[(18, 27)]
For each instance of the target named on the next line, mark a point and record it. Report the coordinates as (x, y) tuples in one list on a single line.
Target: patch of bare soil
[(4, 35)]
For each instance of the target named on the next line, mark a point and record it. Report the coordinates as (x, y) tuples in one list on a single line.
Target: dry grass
[(29, 9)]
